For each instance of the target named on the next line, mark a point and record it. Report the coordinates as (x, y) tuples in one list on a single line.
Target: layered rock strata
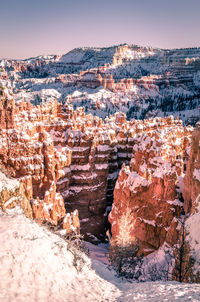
[(143, 82), (28, 153), (62, 156)]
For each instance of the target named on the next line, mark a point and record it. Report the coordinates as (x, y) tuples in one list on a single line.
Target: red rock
[(67, 152), (191, 184), (146, 202)]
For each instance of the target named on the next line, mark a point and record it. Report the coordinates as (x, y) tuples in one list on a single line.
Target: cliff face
[(65, 159), (28, 153), (191, 184), (64, 156), (191, 194), (147, 199), (157, 201)]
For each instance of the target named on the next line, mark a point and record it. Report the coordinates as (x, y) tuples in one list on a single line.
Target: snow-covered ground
[(37, 265)]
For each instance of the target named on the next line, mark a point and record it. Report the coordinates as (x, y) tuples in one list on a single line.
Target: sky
[(40, 27)]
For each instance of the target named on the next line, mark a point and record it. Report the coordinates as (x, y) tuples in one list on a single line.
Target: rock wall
[(27, 152), (67, 160), (64, 156), (191, 195), (147, 199), (191, 184)]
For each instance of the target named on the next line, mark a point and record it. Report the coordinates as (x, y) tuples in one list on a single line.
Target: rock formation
[(12, 194), (63, 160), (191, 195), (28, 153), (147, 201), (64, 156), (191, 184)]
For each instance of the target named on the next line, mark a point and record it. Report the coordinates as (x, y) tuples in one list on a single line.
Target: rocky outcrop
[(191, 195), (147, 201), (7, 109), (191, 184), (28, 153)]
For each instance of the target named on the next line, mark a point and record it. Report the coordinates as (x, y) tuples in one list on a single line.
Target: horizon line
[(98, 47)]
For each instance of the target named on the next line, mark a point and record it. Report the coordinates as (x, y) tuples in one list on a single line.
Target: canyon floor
[(37, 265)]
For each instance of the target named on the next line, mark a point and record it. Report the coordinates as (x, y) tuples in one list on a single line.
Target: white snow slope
[(36, 265)]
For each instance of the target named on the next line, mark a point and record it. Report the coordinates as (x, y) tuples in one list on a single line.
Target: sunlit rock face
[(191, 184), (28, 153), (147, 195), (191, 195)]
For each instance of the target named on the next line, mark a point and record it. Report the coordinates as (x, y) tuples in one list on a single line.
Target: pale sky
[(37, 27)]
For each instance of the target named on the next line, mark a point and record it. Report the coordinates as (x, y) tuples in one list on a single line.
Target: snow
[(162, 170), (180, 183), (193, 236), (99, 252), (49, 93), (151, 222), (196, 174), (157, 291), (74, 56), (80, 167), (66, 217), (90, 176), (63, 180), (160, 292), (28, 158), (101, 166), (175, 202), (37, 265), (33, 167), (78, 189), (134, 181), (79, 149), (8, 183), (103, 148), (113, 175), (10, 201)]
